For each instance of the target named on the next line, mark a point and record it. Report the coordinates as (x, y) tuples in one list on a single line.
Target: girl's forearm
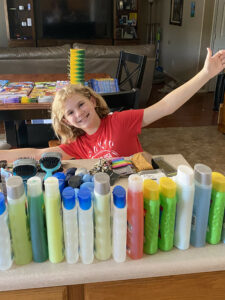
[(11, 155)]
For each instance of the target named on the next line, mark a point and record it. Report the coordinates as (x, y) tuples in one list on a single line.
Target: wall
[(3, 34)]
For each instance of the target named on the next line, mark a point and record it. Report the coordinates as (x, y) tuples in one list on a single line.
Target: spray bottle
[(216, 210), (151, 223), (167, 189)]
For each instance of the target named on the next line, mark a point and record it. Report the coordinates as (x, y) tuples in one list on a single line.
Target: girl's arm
[(171, 102), (11, 155)]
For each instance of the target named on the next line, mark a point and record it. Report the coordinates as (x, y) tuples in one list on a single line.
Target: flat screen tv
[(73, 19)]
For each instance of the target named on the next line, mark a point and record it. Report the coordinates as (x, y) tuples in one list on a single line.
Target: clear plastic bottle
[(203, 187), (185, 200), (37, 219), (119, 232), (86, 226), (135, 217), (102, 216), (151, 223), (6, 259), (54, 220), (70, 225), (167, 188), (18, 220), (216, 210)]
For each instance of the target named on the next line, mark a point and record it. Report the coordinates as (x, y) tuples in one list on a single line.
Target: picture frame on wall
[(176, 12), (124, 19)]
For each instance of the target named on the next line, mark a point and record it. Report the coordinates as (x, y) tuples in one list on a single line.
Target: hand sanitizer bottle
[(167, 188), (5, 241), (185, 200), (216, 210), (203, 187), (54, 220), (151, 225), (102, 218), (86, 226), (37, 219), (18, 220), (70, 225), (119, 237)]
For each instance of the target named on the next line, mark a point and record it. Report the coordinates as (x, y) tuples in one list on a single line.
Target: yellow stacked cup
[(77, 57)]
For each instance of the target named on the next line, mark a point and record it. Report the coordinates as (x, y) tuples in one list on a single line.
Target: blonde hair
[(65, 132)]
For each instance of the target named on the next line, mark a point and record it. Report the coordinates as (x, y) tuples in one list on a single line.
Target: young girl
[(82, 121)]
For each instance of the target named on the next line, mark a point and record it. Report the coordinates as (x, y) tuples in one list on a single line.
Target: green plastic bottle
[(216, 210), (151, 224), (167, 190), (18, 222)]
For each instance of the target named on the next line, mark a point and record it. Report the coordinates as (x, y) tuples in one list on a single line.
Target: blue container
[(203, 188)]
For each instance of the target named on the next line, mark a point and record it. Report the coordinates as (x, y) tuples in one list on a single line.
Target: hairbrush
[(25, 167), (50, 162)]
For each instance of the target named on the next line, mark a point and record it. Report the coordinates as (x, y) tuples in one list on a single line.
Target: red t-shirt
[(116, 136)]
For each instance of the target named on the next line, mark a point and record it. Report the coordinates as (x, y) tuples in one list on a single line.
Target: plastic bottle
[(18, 220), (86, 226), (135, 217), (37, 219), (5, 241), (102, 218), (216, 210), (54, 220), (203, 187), (185, 200), (70, 225), (223, 231), (167, 189), (119, 232), (151, 221)]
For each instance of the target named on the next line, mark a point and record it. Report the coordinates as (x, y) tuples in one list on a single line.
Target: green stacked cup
[(77, 57)]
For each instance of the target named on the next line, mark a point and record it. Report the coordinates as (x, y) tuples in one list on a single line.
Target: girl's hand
[(214, 64)]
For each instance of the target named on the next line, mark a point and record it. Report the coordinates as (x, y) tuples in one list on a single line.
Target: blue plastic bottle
[(203, 187)]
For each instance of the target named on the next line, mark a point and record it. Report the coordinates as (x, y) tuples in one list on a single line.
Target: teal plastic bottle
[(216, 210), (151, 224), (167, 188), (37, 219)]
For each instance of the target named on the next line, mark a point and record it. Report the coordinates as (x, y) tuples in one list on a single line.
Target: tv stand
[(60, 42)]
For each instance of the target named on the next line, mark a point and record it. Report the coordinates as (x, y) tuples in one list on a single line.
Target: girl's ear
[(93, 100)]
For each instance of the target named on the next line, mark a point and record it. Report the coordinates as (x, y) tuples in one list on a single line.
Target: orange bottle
[(135, 217)]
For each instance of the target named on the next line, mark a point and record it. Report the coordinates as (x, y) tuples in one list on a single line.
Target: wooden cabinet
[(221, 118), (125, 29), (20, 25)]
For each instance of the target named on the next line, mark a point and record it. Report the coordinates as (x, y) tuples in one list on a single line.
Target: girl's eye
[(70, 113), (81, 104)]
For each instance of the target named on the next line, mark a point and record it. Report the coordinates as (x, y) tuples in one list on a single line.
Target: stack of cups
[(77, 66)]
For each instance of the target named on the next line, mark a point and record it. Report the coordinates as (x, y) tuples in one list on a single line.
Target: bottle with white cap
[(203, 187), (119, 231), (86, 226), (185, 200), (102, 219), (18, 220), (70, 225), (5, 241)]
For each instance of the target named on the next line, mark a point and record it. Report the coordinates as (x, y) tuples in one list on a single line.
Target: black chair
[(219, 92)]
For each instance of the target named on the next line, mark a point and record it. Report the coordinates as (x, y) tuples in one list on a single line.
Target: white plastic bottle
[(185, 200), (86, 226), (119, 232), (102, 211), (5, 241), (70, 225)]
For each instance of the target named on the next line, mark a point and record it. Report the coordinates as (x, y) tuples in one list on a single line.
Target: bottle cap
[(101, 183), (2, 203), (88, 185), (151, 189), (119, 196), (218, 182), (15, 187), (84, 196), (75, 181), (185, 175), (203, 174), (68, 197), (62, 185), (135, 183), (167, 187), (51, 185), (59, 175), (34, 186)]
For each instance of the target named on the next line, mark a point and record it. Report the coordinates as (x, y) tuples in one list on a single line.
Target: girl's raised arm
[(171, 102)]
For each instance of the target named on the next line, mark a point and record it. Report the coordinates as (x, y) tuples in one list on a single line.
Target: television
[(73, 19)]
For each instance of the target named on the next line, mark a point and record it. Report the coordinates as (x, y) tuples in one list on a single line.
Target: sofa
[(98, 59)]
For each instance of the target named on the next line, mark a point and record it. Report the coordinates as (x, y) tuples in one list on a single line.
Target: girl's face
[(80, 113)]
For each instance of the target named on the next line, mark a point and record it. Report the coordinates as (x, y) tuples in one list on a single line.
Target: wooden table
[(14, 115)]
